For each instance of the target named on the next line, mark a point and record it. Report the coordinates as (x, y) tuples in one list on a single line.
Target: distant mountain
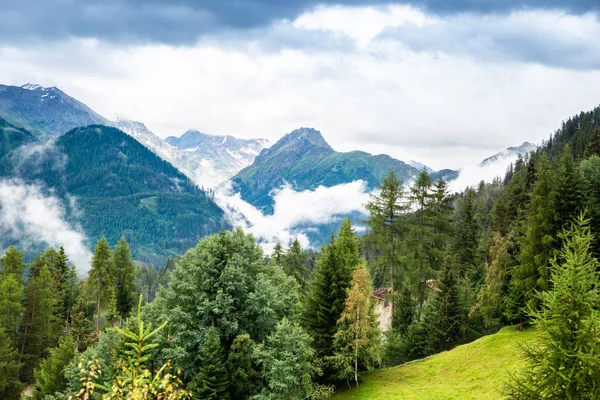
[(122, 188), (226, 154), (44, 111), (305, 160), (509, 153), (420, 166)]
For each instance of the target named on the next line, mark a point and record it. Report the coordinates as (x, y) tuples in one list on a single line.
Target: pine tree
[(565, 363), (211, 382), (124, 270), (239, 367), (386, 213), (101, 277), (358, 339), (292, 263)]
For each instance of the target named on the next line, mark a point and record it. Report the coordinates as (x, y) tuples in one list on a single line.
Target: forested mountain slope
[(305, 160), (122, 188)]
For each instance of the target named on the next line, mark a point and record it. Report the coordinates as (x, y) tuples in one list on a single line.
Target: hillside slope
[(44, 111), (122, 188), (304, 160), (477, 370)]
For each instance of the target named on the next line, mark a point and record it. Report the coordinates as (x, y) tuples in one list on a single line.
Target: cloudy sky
[(440, 81)]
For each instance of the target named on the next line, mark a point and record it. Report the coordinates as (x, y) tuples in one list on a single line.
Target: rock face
[(45, 111), (227, 154)]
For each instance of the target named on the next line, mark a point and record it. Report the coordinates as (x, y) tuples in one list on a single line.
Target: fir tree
[(242, 375), (211, 382), (569, 190), (70, 292), (465, 242), (124, 275), (292, 263), (101, 277), (60, 268), (565, 364), (358, 339)]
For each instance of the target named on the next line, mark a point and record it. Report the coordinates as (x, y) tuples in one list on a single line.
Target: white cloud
[(472, 175), (26, 214), (308, 208), (443, 108)]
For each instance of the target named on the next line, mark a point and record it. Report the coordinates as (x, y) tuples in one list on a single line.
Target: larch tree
[(358, 339), (386, 212)]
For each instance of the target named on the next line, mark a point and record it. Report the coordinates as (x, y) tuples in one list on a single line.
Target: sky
[(446, 83)]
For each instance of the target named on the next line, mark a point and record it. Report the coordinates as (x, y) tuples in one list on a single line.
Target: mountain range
[(127, 180), (304, 160), (509, 153)]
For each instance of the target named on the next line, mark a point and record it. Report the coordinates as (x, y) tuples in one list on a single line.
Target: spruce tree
[(292, 263), (465, 242), (358, 339), (211, 382), (533, 272), (81, 325), (569, 189), (101, 277), (565, 363), (124, 274), (60, 268), (242, 375), (445, 321), (278, 255), (327, 295)]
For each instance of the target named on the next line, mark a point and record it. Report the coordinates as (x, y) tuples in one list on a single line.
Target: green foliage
[(101, 277), (10, 387), (124, 276), (242, 376), (50, 375), (358, 338), (222, 282), (292, 263), (565, 363), (286, 362), (12, 262), (42, 323), (81, 325), (11, 303), (212, 381), (326, 296)]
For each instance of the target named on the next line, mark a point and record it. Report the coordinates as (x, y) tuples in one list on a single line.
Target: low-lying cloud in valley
[(292, 209)]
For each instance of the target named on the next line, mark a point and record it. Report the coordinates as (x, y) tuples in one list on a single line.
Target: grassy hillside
[(476, 370)]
